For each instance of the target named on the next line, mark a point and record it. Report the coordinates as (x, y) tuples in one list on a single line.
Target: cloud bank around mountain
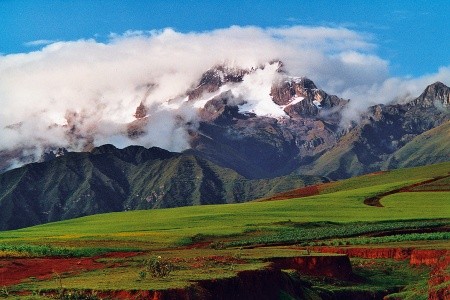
[(77, 93)]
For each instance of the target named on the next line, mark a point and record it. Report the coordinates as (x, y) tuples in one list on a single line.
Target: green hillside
[(110, 179), (208, 243), (339, 202), (433, 146)]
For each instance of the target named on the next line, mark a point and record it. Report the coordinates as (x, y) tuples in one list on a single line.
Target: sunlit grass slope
[(416, 174), (167, 227), (430, 147)]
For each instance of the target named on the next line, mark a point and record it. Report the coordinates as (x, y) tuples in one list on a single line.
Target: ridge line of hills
[(108, 179), (235, 155)]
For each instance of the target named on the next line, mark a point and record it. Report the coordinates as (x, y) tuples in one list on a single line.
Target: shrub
[(158, 267), (77, 295), (4, 292), (219, 245)]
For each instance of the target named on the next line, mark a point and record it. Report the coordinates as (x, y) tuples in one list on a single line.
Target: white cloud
[(38, 43), (101, 84), (390, 89)]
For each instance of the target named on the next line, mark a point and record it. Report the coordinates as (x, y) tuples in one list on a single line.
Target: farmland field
[(199, 243)]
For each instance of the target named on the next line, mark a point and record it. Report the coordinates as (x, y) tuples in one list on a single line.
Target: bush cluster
[(156, 267)]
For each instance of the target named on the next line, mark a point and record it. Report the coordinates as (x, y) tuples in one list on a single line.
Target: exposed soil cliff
[(439, 281), (331, 266)]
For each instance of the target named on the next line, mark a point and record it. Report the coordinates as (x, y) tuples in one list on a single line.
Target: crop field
[(102, 256)]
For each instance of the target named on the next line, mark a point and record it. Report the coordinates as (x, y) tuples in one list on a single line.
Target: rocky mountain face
[(384, 130), (240, 149), (259, 146), (311, 140), (298, 130), (109, 179)]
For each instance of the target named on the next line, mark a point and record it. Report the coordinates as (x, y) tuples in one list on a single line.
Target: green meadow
[(339, 202), (336, 216)]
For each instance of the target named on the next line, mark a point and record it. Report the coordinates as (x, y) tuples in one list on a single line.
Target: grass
[(24, 250), (193, 266), (438, 185), (396, 238), (167, 227), (336, 216), (428, 203), (305, 233), (413, 175)]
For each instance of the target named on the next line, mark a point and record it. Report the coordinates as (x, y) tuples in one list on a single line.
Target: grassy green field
[(166, 227), (337, 216)]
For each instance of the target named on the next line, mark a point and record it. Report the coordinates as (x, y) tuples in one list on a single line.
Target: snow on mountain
[(263, 91), (294, 101), (255, 89)]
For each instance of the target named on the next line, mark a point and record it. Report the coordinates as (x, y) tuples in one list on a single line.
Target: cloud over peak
[(88, 91)]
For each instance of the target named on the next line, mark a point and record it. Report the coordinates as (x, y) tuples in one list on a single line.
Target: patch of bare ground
[(311, 190), (16, 270)]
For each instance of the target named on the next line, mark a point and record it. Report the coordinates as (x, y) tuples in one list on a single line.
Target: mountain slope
[(262, 123), (422, 178), (432, 146), (235, 133), (385, 129), (108, 179), (311, 140)]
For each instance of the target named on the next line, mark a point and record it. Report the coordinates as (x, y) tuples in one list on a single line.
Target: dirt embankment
[(331, 266), (258, 284), (439, 260), (255, 284), (415, 256), (439, 283)]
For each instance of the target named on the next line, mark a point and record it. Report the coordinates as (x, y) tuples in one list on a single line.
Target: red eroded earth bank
[(439, 260)]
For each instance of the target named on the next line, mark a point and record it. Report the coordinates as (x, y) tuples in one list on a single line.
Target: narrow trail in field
[(375, 201)]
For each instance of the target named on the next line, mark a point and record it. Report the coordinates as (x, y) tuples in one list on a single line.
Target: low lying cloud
[(73, 93), (392, 89)]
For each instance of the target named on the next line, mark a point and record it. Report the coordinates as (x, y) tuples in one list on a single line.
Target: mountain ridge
[(299, 142), (238, 151), (108, 179)]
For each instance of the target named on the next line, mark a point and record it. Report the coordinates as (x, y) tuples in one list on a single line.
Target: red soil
[(16, 270), (415, 256), (297, 193), (439, 275), (438, 259), (338, 266), (145, 294), (377, 173)]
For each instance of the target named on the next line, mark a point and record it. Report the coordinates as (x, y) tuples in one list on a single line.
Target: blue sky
[(90, 63), (413, 36)]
